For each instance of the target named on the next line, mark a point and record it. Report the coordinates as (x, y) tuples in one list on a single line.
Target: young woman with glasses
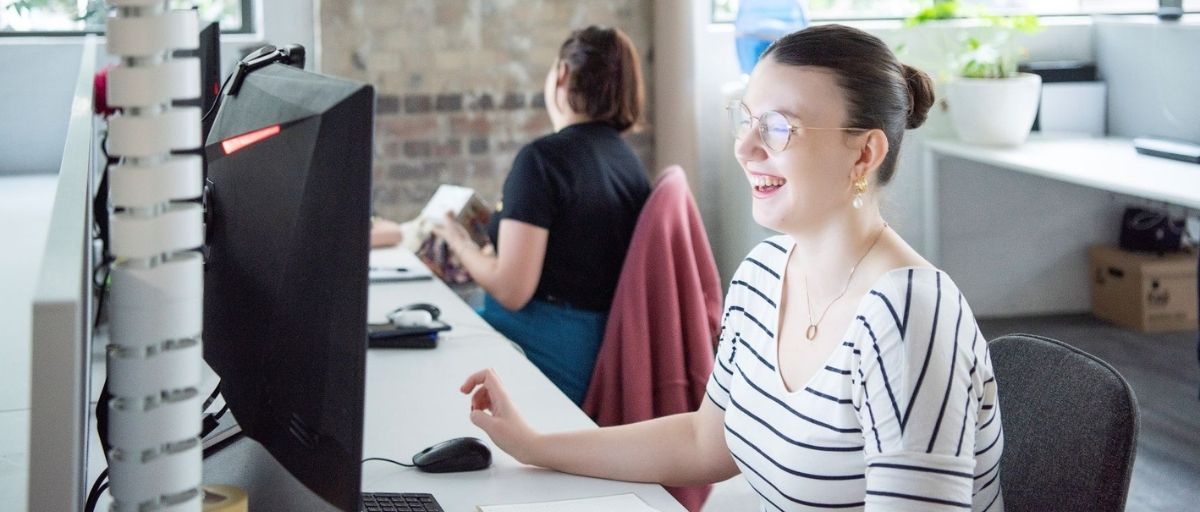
[(850, 372), (567, 215)]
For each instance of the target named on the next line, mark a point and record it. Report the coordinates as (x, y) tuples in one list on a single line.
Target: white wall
[(40, 72), (1153, 74)]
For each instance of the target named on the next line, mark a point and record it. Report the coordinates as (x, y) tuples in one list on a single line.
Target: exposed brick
[(513, 101), (407, 127), (483, 102), (478, 146), (452, 147), (387, 104), (418, 103), (467, 78), (403, 171), (449, 103), (510, 145), (418, 149), (470, 125)]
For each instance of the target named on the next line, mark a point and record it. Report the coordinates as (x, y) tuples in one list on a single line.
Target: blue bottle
[(760, 22)]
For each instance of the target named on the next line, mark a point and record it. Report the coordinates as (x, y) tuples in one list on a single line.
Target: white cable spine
[(157, 295)]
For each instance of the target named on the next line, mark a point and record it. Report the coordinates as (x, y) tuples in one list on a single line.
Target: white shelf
[(1109, 163)]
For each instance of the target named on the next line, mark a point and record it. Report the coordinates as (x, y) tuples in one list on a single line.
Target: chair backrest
[(1070, 427)]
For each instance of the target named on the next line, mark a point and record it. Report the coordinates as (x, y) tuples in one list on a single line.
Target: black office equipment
[(285, 306), (399, 502), (391, 336), (458, 454), (1173, 149)]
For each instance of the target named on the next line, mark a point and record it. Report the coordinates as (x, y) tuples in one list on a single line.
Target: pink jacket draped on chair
[(658, 345)]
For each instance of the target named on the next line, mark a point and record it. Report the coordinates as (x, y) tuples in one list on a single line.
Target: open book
[(470, 211), (628, 502)]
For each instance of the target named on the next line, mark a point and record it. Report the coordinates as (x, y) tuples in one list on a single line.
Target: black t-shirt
[(586, 186)]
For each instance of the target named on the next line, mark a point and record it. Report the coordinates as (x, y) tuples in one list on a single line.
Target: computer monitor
[(285, 301)]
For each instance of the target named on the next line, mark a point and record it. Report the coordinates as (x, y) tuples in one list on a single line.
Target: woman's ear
[(872, 151), (562, 74)]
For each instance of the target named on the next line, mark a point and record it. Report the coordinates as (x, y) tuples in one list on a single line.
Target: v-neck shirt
[(903, 415)]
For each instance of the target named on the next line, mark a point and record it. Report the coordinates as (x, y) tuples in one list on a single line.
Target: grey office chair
[(1070, 427)]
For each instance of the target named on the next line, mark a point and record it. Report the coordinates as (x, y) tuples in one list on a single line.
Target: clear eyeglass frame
[(774, 129)]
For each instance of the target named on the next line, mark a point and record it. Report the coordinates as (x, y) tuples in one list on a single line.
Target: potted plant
[(988, 100)]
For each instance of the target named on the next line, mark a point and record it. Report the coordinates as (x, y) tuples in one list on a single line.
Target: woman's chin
[(767, 219)]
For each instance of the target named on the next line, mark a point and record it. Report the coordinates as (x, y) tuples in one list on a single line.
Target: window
[(73, 17), (724, 11)]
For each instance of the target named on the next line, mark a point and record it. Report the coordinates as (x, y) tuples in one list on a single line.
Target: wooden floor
[(1165, 376)]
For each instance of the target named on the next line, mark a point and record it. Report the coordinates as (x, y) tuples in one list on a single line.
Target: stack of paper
[(622, 502)]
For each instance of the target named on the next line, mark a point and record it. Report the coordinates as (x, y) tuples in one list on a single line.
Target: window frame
[(249, 24), (712, 15)]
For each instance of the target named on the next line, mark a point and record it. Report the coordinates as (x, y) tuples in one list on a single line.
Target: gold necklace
[(811, 332)]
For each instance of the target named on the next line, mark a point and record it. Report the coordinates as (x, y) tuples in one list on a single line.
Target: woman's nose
[(749, 147)]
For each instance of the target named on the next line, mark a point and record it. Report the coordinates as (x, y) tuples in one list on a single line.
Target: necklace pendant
[(811, 332)]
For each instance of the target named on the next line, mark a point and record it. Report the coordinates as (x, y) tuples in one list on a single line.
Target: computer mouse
[(459, 454)]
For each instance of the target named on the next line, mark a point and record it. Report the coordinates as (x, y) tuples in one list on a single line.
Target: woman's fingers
[(473, 380)]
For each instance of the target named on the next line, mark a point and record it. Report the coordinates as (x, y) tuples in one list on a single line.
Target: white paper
[(623, 502), (447, 198)]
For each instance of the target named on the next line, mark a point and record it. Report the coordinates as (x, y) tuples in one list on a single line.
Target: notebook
[(624, 502)]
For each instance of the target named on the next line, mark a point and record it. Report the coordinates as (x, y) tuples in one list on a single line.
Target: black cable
[(382, 459), (103, 291), (216, 99), (211, 397), (97, 490)]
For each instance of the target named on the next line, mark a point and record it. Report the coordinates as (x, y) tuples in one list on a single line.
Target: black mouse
[(459, 454)]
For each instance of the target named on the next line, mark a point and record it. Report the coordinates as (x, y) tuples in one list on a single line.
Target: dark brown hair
[(881, 92), (604, 76)]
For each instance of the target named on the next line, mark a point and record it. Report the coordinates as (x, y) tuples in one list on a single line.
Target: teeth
[(767, 181)]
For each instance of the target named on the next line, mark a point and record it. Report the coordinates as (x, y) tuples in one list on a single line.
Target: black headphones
[(291, 54)]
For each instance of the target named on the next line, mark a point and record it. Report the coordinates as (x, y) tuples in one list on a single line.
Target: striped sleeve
[(914, 394)]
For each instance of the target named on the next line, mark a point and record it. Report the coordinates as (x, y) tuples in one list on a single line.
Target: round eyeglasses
[(773, 128)]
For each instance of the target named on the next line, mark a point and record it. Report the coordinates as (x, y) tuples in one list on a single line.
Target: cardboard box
[(1144, 291)]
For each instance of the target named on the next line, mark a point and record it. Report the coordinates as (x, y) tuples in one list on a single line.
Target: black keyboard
[(399, 502)]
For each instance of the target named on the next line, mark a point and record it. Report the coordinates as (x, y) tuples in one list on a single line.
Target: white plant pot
[(994, 111)]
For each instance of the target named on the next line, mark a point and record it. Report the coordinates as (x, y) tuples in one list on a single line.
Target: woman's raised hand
[(493, 411)]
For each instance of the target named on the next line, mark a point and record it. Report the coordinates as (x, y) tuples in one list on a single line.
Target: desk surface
[(1108, 163), (413, 402)]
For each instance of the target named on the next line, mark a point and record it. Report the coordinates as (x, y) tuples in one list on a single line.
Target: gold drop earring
[(860, 186)]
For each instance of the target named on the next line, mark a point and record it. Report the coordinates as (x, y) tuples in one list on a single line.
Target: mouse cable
[(389, 460)]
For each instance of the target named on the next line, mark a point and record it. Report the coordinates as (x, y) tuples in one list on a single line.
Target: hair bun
[(920, 95)]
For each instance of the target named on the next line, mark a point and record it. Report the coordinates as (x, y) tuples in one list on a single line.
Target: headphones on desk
[(414, 315)]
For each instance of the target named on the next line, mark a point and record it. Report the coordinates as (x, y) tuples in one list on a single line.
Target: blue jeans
[(561, 341)]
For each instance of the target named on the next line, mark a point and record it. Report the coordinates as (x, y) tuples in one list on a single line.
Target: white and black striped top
[(903, 417)]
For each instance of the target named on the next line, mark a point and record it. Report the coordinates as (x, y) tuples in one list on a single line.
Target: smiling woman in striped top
[(850, 372)]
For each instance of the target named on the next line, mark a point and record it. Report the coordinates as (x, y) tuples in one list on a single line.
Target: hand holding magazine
[(469, 211)]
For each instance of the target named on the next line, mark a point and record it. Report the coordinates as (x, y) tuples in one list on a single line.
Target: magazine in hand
[(470, 211)]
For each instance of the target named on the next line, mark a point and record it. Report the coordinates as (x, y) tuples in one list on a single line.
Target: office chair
[(1070, 427)]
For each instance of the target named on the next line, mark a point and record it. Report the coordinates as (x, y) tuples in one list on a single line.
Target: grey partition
[(61, 319)]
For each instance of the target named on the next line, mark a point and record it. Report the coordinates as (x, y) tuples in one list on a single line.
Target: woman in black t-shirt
[(569, 207)]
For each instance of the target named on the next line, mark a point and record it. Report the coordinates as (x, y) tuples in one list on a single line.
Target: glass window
[(71, 17), (725, 10)]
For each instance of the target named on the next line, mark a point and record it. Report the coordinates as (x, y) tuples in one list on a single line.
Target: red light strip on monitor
[(238, 142)]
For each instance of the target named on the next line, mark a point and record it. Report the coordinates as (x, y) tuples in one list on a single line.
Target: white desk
[(1012, 225), (413, 402)]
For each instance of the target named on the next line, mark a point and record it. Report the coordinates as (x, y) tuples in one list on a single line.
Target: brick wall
[(459, 83)]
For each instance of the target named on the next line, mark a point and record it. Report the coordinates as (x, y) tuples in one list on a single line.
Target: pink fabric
[(658, 345)]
